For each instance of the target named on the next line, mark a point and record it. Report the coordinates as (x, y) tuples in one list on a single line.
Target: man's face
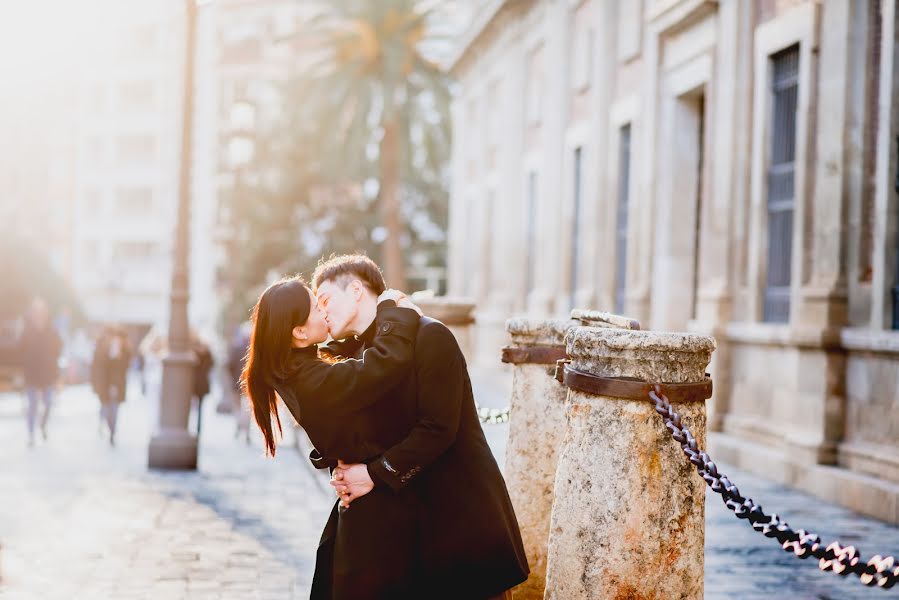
[(341, 305)]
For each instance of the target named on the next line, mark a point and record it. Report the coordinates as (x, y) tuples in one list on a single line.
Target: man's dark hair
[(347, 267)]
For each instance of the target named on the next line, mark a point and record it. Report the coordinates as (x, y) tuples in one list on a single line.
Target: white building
[(128, 147), (94, 123), (721, 166)]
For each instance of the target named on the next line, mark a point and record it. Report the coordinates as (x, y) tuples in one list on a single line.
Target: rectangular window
[(486, 261), (575, 225), (471, 247), (94, 203), (137, 96), (91, 252), (697, 228), (134, 202), (869, 156), (624, 173), (134, 251), (583, 57), (534, 100), (143, 39), (781, 184), (531, 241), (95, 150), (135, 149)]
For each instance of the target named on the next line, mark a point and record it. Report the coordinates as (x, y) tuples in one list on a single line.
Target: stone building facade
[(717, 166)]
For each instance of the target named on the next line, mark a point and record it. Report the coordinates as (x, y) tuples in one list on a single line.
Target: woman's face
[(315, 330)]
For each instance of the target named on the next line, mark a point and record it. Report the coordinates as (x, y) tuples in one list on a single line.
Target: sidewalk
[(81, 520)]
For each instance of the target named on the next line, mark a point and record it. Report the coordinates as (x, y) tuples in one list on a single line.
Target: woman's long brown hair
[(282, 306)]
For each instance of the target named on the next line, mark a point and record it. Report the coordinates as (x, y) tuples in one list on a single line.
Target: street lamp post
[(173, 446)]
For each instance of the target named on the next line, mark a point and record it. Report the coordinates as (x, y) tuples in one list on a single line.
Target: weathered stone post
[(535, 435), (628, 515), (456, 313)]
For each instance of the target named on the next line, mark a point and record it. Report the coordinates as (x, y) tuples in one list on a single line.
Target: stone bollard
[(535, 434), (628, 515), (455, 313), (596, 318)]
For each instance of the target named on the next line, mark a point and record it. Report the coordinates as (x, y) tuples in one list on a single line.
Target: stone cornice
[(482, 22), (473, 32)]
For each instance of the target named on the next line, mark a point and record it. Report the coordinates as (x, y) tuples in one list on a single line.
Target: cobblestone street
[(79, 519)]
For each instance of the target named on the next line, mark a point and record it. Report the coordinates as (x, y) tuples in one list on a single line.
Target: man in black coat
[(469, 544)]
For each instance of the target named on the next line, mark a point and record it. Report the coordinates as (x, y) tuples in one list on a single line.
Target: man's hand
[(351, 482)]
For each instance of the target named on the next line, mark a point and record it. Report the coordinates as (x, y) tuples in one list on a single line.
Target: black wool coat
[(441, 474), (368, 551)]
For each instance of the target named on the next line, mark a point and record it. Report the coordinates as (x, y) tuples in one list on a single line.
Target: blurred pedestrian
[(109, 374), (39, 348), (153, 348), (237, 357), (202, 369)]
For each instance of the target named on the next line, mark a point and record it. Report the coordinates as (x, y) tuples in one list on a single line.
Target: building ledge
[(768, 334), (862, 339), (868, 495)]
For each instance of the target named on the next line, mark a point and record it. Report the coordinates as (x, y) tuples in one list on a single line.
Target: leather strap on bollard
[(534, 355), (631, 388)]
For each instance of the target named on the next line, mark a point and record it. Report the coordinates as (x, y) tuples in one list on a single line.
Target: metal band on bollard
[(630, 388), (534, 355)]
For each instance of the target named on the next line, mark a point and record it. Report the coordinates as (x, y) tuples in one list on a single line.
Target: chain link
[(880, 571), (493, 416)]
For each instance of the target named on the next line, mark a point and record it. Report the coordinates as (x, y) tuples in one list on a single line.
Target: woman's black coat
[(334, 403)]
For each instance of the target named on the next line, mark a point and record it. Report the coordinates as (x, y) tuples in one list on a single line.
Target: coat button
[(385, 327)]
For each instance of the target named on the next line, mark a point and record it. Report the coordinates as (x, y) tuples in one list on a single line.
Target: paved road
[(79, 519)]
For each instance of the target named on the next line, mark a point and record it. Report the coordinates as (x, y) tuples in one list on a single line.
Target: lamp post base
[(173, 449)]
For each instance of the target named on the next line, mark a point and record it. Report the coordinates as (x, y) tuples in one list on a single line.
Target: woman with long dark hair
[(325, 397)]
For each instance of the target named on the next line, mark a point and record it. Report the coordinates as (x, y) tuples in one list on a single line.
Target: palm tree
[(380, 104)]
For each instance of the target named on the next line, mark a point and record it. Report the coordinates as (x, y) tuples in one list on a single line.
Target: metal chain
[(493, 416), (880, 571)]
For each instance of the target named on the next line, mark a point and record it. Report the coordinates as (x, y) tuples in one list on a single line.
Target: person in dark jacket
[(202, 368), (325, 396), (109, 374), (470, 543), (39, 349)]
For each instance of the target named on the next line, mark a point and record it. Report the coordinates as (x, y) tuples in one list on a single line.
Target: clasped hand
[(351, 482)]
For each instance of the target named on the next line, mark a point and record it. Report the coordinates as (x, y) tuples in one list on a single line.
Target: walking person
[(39, 348), (202, 368), (109, 374)]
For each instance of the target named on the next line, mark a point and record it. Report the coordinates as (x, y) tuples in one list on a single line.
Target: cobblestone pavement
[(81, 520)]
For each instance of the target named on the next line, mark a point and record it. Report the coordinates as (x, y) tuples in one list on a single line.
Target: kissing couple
[(422, 509)]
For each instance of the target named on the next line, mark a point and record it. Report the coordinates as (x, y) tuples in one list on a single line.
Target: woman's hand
[(391, 294), (406, 303)]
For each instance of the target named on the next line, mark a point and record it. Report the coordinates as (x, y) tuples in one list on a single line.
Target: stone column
[(455, 313), (535, 435), (628, 515)]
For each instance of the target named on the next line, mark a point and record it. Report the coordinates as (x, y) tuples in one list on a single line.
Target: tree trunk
[(392, 252)]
